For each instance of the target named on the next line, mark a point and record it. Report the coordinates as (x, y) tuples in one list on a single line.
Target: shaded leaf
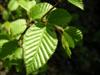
[(66, 46), (68, 39), (59, 17), (37, 1), (2, 42), (5, 15), (3, 36), (8, 48)]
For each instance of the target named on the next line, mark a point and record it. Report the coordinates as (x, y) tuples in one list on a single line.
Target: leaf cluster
[(33, 38)]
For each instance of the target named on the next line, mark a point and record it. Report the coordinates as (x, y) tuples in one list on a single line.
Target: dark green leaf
[(4, 36), (59, 17), (2, 42), (8, 48)]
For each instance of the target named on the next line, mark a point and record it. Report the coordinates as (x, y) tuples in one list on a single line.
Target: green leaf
[(78, 3), (39, 10), (39, 44), (5, 15), (37, 1), (13, 5), (27, 5), (59, 17), (69, 39), (8, 49), (75, 33), (17, 54), (2, 42), (18, 26), (6, 26), (17, 63), (70, 36), (66, 45), (11, 53), (4, 36)]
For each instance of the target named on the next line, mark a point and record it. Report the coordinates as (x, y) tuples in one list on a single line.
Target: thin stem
[(20, 40), (59, 29), (21, 37), (23, 33)]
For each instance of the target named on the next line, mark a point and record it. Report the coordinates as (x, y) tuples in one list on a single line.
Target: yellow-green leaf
[(78, 3)]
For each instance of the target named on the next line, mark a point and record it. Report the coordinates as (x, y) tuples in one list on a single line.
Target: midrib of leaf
[(39, 44), (39, 41)]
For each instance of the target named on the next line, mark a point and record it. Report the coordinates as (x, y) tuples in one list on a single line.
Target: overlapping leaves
[(15, 27), (75, 33), (70, 37), (10, 48), (39, 41), (10, 53), (27, 5)]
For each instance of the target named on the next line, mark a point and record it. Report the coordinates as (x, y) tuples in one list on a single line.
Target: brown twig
[(21, 37)]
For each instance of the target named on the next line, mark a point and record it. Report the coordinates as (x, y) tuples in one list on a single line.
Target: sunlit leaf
[(39, 44), (27, 5), (6, 26), (78, 3), (39, 10), (13, 5), (18, 26)]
